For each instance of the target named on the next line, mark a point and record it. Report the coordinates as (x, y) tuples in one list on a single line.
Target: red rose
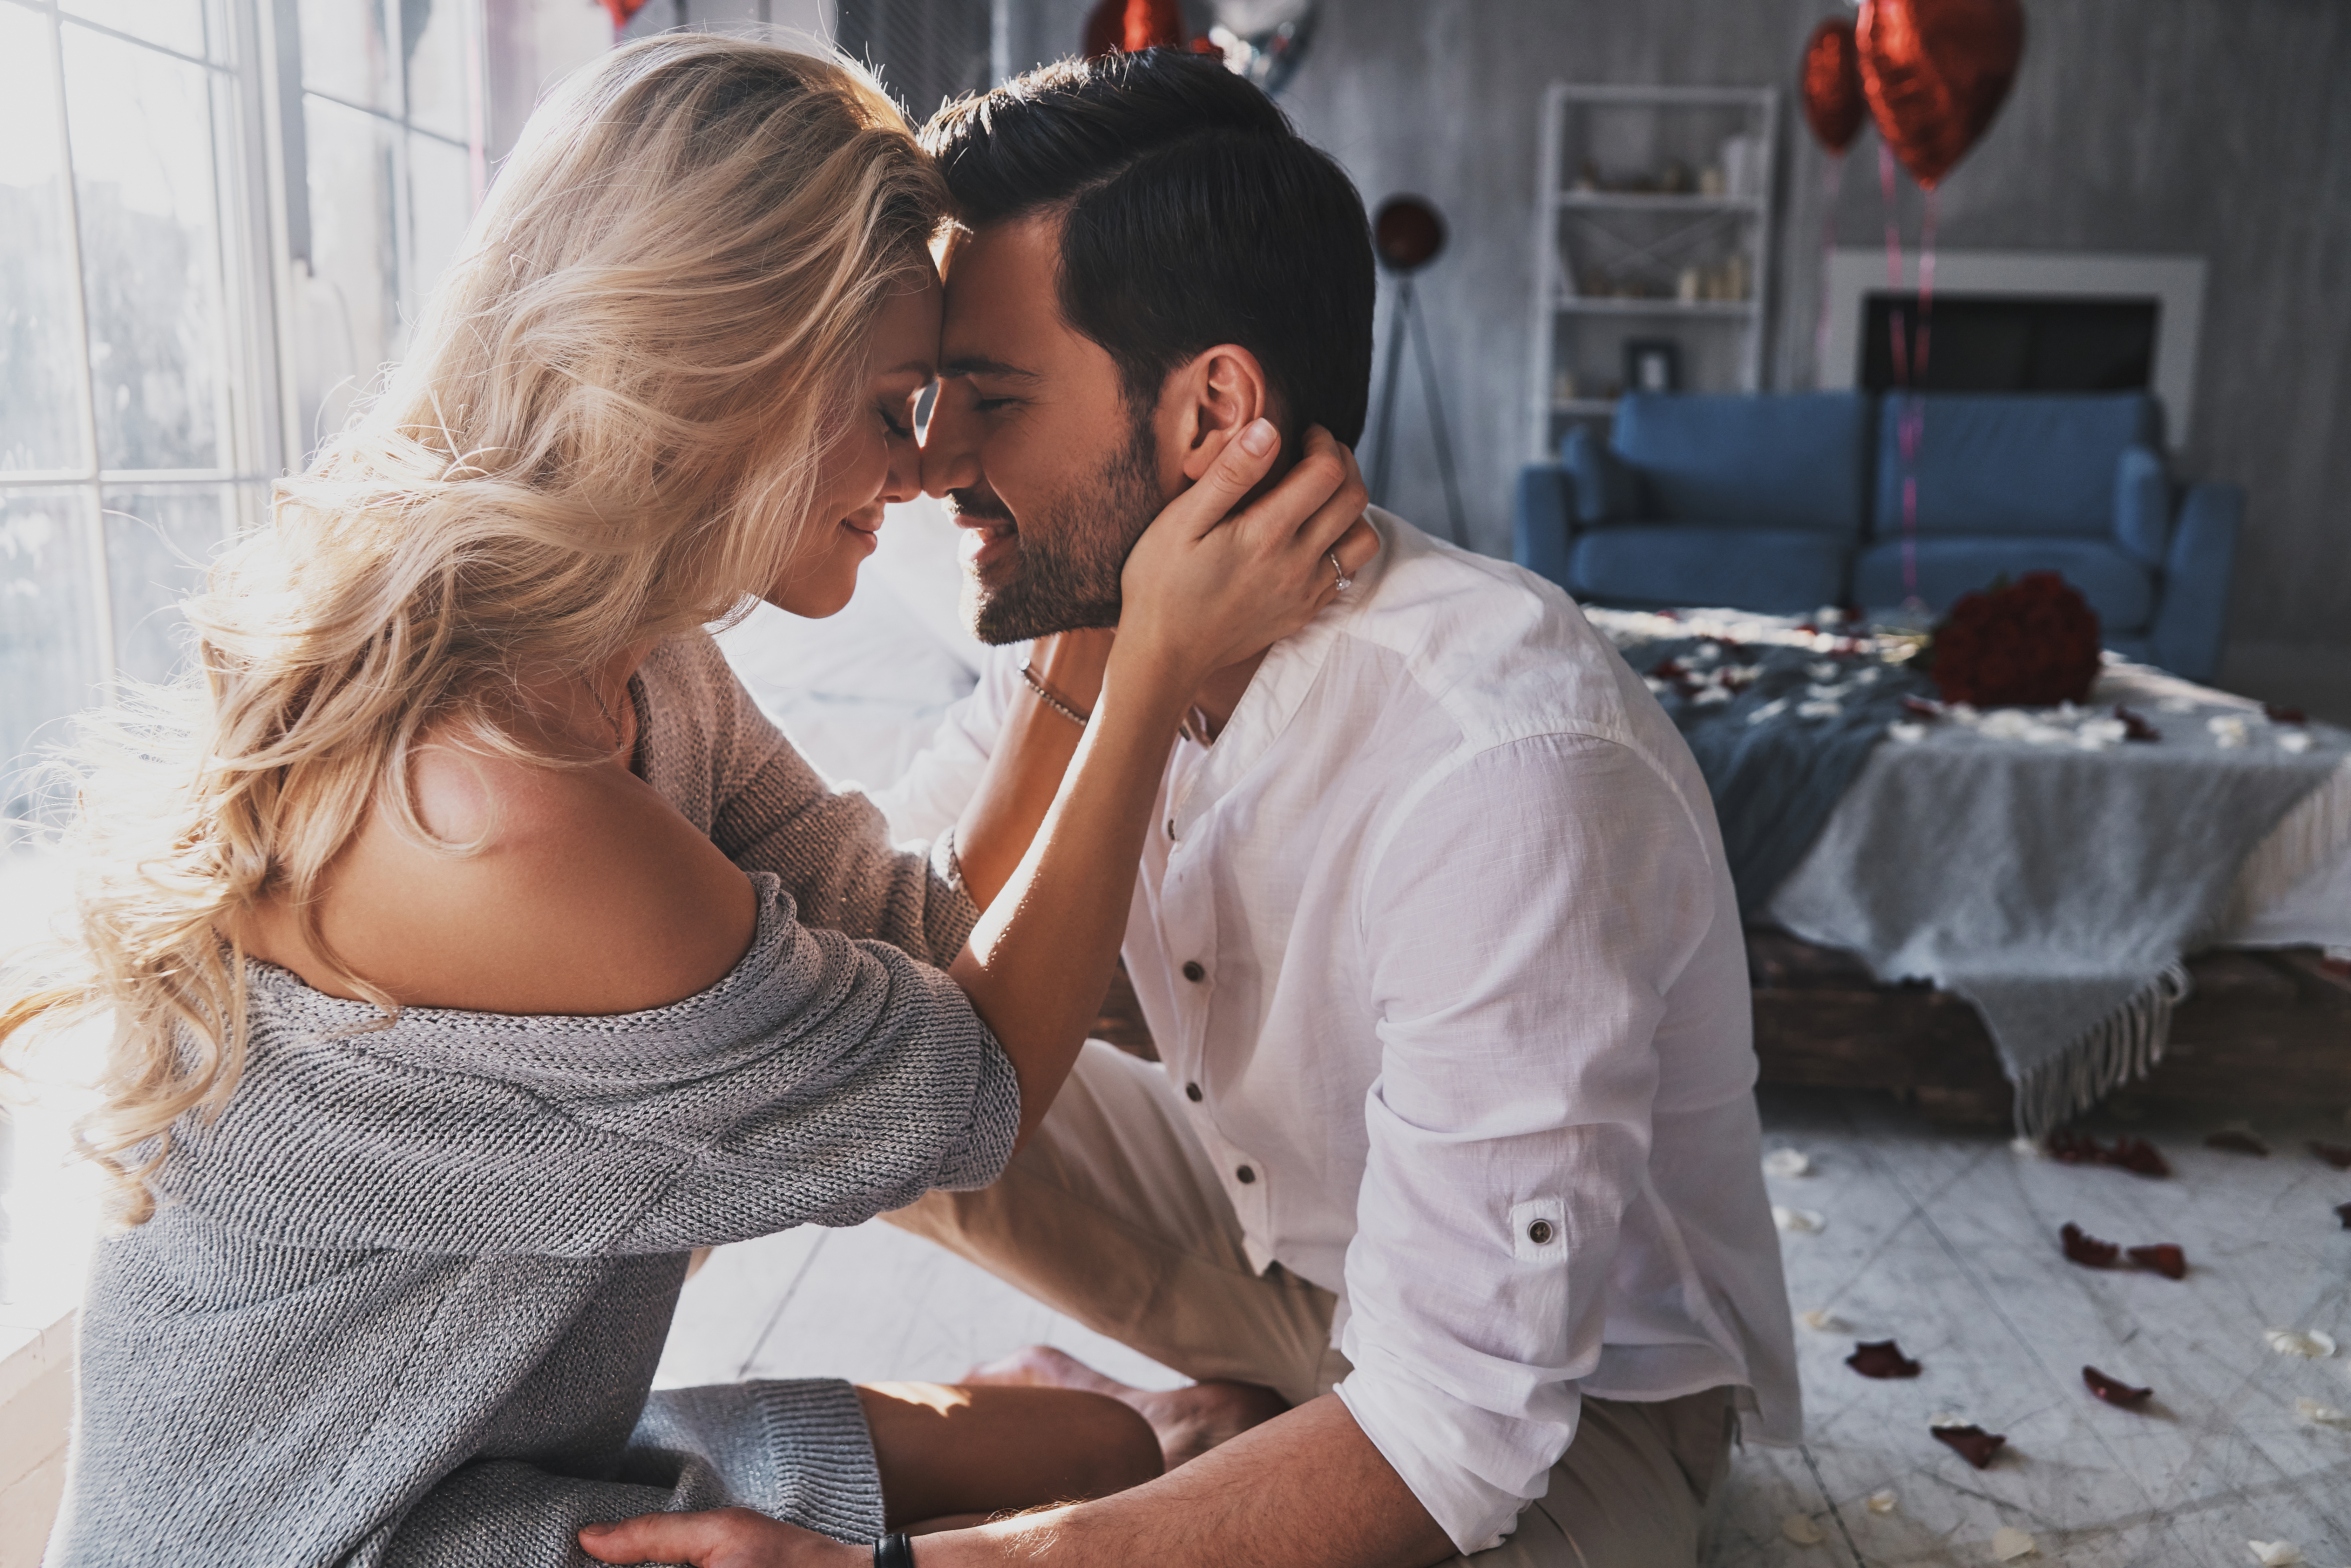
[(2033, 643)]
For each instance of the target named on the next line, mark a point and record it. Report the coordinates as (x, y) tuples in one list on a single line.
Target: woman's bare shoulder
[(583, 892)]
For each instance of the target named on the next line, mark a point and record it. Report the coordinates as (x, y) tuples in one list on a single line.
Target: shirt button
[(1192, 1093), (1540, 1232), (1193, 972), (1246, 1175)]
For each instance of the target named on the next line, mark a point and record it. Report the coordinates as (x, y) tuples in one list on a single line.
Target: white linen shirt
[(1441, 928)]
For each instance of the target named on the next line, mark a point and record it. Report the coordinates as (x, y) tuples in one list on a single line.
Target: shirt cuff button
[(1194, 972), (1540, 1232), (1192, 1093), (1245, 1176)]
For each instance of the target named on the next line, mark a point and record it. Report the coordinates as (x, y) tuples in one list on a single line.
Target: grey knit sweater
[(402, 1303)]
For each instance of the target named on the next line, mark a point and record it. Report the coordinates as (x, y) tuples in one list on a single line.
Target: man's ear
[(1211, 399)]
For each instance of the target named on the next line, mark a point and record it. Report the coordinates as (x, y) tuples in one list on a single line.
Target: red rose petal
[(2082, 1247), (2136, 727), (2136, 1155), (2112, 1390), (2335, 1155), (2236, 1140), (1882, 1359), (2277, 714), (2342, 1213), (1973, 1443), (2072, 1149), (2163, 1258)]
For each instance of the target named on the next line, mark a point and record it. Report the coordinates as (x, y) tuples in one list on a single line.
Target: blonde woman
[(475, 949)]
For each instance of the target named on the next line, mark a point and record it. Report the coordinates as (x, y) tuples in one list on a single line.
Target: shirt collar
[(1281, 685)]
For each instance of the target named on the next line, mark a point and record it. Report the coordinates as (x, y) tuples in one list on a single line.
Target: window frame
[(250, 93)]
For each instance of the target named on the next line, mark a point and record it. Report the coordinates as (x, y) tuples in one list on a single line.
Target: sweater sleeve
[(823, 1080), (795, 1450), (768, 810)]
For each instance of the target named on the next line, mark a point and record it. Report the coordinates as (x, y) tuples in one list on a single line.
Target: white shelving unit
[(1686, 260)]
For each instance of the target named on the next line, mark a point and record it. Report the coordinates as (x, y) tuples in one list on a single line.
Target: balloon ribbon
[(1909, 355)]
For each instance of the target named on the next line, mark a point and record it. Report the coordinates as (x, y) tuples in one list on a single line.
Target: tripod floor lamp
[(1406, 235)]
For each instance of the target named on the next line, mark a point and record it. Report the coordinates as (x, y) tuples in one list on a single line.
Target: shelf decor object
[(1654, 216)]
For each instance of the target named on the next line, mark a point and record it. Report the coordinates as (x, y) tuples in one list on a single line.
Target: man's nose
[(950, 442)]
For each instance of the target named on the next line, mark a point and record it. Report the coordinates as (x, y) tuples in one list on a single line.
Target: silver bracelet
[(1048, 699)]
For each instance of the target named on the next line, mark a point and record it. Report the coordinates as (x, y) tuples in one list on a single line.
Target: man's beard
[(1070, 552)]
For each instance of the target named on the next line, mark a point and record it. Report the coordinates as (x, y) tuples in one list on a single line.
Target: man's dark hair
[(1193, 215)]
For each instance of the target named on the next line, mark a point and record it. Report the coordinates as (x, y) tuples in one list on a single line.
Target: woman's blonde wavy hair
[(608, 430)]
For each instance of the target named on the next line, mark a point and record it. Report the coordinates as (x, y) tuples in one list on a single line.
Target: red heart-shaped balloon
[(1831, 84), (1132, 26), (622, 10), (1934, 72)]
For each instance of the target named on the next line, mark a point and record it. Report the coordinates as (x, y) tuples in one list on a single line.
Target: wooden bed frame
[(2262, 1030)]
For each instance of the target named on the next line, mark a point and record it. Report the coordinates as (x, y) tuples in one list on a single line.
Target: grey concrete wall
[(2221, 128)]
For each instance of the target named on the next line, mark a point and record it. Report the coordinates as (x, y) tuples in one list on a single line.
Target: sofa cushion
[(1605, 490), (2119, 588), (2142, 505), (1783, 570), (2012, 464), (1763, 461)]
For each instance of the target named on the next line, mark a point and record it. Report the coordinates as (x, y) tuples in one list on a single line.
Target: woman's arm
[(1032, 753), (1199, 591)]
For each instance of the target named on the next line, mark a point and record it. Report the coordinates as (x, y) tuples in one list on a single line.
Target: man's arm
[(1304, 1491), (1525, 917)]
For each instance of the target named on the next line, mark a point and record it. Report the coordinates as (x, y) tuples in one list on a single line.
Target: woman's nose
[(904, 480)]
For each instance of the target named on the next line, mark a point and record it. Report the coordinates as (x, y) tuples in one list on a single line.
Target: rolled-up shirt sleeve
[(1523, 923)]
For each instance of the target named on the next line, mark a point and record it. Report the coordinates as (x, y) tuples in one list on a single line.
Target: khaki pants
[(1112, 1216)]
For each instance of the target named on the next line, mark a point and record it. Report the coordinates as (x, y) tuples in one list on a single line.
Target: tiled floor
[(1948, 1243)]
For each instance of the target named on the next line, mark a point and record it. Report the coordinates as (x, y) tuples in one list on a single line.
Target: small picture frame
[(1653, 365)]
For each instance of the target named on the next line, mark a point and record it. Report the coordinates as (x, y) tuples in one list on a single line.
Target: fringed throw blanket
[(2039, 863), (1781, 716)]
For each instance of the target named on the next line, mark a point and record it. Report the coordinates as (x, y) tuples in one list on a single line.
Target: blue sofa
[(1788, 502)]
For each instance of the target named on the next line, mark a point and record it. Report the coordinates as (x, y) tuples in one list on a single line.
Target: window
[(216, 218)]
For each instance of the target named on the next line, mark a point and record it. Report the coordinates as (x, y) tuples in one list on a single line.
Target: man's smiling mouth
[(989, 535)]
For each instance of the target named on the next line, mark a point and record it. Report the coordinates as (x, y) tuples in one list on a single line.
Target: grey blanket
[(2056, 888), (1778, 729), (2035, 863)]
